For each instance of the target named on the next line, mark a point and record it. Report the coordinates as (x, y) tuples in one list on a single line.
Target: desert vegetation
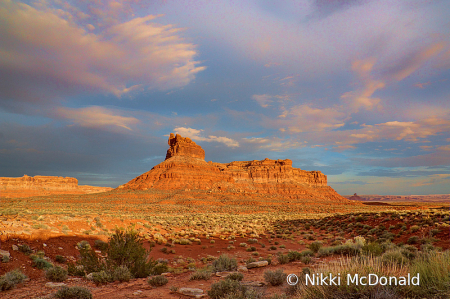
[(191, 248)]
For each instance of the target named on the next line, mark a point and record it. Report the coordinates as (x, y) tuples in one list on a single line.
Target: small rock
[(223, 274), (5, 253), (60, 248), (90, 276), (253, 283), (137, 292), (192, 292), (43, 244), (242, 269), (257, 264), (54, 285), (15, 247), (168, 274)]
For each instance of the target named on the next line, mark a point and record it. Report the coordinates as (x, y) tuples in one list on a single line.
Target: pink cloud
[(48, 51), (97, 117), (362, 96), (417, 60)]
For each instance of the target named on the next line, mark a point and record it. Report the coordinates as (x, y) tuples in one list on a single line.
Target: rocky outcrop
[(38, 182), (185, 169), (44, 185), (180, 146)]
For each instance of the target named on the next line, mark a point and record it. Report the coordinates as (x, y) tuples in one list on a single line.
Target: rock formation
[(44, 185), (185, 169), (180, 146)]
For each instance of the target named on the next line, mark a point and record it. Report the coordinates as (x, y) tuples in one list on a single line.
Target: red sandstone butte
[(186, 169)]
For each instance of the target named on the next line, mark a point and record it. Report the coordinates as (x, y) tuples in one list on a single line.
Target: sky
[(357, 89)]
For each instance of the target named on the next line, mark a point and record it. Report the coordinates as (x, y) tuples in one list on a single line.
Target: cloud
[(262, 99), (44, 54), (438, 158), (341, 148), (426, 147), (97, 117), (270, 64), (433, 179), (306, 118), (351, 182), (444, 148), (422, 85), (195, 134), (415, 60), (362, 97)]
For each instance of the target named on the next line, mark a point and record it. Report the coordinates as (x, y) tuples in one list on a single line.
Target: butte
[(185, 169)]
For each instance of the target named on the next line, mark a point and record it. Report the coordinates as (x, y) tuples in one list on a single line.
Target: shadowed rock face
[(186, 169)]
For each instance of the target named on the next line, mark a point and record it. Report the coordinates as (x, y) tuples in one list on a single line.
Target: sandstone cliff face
[(180, 146), (44, 185), (186, 169)]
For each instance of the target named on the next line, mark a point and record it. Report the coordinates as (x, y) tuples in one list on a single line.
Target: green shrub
[(294, 255), (75, 292), (75, 270), (226, 287), (275, 278), (413, 240), (157, 281), (315, 246), (83, 245), (159, 268), (25, 249), (394, 256), (306, 259), (57, 274), (200, 275), (60, 259), (90, 260), (306, 253), (324, 251), (126, 249), (224, 263), (374, 249), (245, 293), (100, 245), (122, 274), (409, 251), (10, 279), (414, 228), (434, 232), (283, 258), (40, 263), (101, 277), (235, 276)]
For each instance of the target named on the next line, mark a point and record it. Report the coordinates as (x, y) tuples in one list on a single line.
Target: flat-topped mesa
[(38, 181), (40, 185), (180, 146)]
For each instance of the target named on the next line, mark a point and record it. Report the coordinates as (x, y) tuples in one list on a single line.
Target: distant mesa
[(356, 197), (185, 169), (44, 185)]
